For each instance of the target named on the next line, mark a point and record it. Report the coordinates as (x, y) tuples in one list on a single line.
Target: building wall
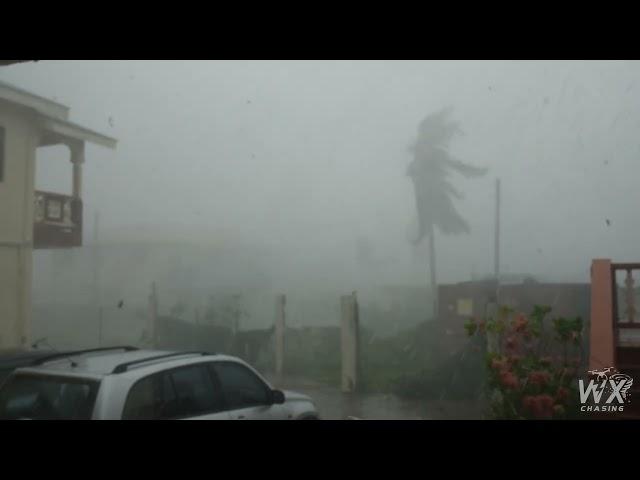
[(460, 302), (388, 310), (16, 225)]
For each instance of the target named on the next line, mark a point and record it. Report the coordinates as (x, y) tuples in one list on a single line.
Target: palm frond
[(431, 166), (469, 171), (437, 130), (450, 222), (448, 188)]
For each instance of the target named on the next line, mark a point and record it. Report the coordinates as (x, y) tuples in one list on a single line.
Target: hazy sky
[(308, 156)]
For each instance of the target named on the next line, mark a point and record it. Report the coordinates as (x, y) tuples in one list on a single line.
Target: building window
[(2, 142)]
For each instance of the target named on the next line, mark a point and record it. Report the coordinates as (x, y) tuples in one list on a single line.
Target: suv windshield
[(47, 398)]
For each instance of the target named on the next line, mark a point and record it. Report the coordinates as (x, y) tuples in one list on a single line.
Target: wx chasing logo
[(608, 385)]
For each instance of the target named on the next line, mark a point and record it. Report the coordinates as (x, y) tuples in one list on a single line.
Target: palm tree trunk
[(432, 269)]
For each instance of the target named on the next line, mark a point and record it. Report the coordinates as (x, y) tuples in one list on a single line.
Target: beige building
[(28, 218)]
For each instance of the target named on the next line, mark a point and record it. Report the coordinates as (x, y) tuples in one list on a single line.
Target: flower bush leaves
[(530, 371)]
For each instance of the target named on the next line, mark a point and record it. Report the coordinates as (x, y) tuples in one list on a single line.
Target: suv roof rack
[(55, 356), (123, 367)]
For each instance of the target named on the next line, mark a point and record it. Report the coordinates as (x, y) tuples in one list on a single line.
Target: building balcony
[(57, 221)]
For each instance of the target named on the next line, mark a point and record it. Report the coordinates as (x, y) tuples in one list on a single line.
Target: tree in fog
[(430, 170)]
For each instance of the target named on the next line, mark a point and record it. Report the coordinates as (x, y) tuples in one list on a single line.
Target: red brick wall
[(601, 347)]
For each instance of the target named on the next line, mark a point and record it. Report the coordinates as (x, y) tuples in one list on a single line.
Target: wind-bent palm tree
[(431, 166)]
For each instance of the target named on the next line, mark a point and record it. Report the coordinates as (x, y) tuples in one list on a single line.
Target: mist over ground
[(291, 175)]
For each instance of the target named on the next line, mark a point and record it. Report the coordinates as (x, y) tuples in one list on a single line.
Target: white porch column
[(77, 159)]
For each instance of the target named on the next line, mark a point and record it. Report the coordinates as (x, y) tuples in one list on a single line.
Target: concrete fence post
[(349, 342), (279, 331)]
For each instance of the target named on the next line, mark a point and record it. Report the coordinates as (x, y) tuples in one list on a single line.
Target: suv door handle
[(241, 417)]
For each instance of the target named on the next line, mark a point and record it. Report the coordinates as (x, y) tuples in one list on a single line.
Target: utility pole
[(497, 242), (497, 239), (237, 312), (196, 328), (96, 273), (153, 314), (279, 331)]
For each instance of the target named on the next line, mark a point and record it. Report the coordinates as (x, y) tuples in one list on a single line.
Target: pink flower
[(511, 343), (562, 394), (545, 406), (539, 378), (528, 402), (546, 360), (514, 359), (558, 410), (496, 364), (509, 380), (521, 323), (540, 405)]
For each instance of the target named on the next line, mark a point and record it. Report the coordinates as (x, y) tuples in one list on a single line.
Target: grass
[(412, 364)]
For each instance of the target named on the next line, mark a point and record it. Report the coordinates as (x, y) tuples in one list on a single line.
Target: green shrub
[(532, 372)]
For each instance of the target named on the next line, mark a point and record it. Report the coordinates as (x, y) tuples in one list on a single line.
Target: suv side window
[(181, 392), (142, 400), (195, 392), (241, 387), (168, 404)]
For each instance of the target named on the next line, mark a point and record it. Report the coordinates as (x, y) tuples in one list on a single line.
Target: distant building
[(460, 302), (28, 218)]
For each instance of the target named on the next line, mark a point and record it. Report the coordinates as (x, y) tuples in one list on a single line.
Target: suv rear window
[(39, 397)]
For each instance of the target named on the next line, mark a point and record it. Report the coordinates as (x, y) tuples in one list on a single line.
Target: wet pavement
[(335, 405)]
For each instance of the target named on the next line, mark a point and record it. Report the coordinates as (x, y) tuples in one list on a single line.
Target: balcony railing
[(626, 321), (57, 221)]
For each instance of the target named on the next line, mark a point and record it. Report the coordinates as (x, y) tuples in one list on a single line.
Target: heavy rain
[(407, 240)]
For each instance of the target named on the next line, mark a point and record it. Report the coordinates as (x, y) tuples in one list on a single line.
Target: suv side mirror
[(277, 397)]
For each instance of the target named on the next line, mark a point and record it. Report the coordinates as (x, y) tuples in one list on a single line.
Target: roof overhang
[(53, 118), (72, 131), (11, 62), (42, 105)]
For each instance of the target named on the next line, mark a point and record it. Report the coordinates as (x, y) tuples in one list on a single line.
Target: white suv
[(131, 384)]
